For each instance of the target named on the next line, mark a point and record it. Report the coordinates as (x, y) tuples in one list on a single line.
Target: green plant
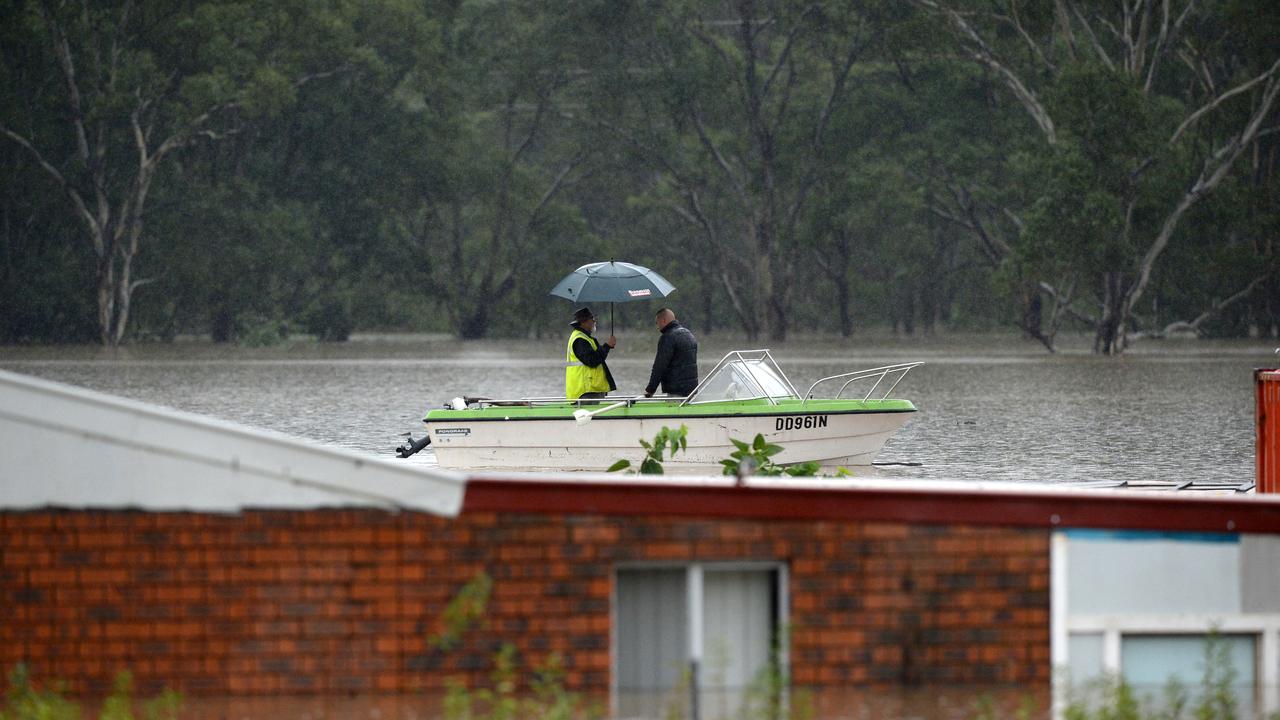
[(262, 332), (463, 611), (24, 701), (1112, 697), (500, 700), (656, 451), (768, 696), (1218, 697), (757, 459)]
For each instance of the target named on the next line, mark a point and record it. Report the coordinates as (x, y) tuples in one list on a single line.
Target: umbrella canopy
[(612, 282)]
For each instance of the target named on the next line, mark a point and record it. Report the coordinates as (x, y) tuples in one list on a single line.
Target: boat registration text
[(801, 422)]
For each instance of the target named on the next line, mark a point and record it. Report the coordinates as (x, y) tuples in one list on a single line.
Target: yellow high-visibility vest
[(579, 378)]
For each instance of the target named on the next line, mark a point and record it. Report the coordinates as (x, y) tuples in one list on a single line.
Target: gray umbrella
[(612, 282)]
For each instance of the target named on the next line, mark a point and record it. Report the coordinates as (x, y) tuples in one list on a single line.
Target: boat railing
[(895, 373), (481, 402)]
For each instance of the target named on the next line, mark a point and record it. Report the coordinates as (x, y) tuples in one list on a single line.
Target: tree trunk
[(842, 302), (475, 324), (223, 328), (1110, 337)]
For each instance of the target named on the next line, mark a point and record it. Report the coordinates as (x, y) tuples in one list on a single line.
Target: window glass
[(651, 629), (767, 379), (738, 628), (739, 618), (1149, 662), (743, 380)]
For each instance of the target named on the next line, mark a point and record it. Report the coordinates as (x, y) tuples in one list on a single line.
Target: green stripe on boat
[(675, 411)]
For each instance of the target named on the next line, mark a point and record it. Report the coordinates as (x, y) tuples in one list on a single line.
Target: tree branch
[(81, 208), (1208, 107), (1210, 176), (1215, 308), (1093, 39), (984, 55), (715, 153)]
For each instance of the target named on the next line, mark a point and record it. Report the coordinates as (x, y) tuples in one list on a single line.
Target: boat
[(745, 394)]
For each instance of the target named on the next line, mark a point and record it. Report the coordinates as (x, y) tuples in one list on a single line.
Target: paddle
[(583, 416)]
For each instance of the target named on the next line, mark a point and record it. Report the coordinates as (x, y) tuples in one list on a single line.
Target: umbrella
[(612, 282)]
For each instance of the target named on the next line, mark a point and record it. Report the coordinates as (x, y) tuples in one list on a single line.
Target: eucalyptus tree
[(1143, 109), (732, 104), (493, 200), (121, 86)]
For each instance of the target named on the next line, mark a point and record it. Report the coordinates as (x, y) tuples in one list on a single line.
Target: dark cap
[(583, 314)]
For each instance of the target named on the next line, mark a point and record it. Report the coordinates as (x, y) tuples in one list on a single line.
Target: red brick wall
[(345, 601)]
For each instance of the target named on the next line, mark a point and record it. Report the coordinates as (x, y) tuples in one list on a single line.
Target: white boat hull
[(833, 440)]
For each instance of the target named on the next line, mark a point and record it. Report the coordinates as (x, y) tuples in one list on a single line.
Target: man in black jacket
[(676, 365)]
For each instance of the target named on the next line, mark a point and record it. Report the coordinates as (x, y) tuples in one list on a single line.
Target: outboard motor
[(411, 446)]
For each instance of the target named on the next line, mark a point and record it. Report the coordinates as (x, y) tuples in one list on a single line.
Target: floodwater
[(918, 703), (991, 407)]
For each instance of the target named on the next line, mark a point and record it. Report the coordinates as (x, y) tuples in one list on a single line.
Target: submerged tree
[(1145, 108), (733, 104), (493, 200), (134, 82)]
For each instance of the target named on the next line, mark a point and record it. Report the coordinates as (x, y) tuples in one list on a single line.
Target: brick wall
[(344, 601)]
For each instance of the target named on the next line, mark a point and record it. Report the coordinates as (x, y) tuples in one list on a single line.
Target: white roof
[(65, 446)]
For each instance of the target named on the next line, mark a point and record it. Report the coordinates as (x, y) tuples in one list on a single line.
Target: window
[(694, 637), (1152, 607), (1148, 663)]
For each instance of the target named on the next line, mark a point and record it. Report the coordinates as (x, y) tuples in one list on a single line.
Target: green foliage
[(502, 699), (768, 695), (1113, 698), (261, 332), (463, 611), (406, 166), (984, 708), (656, 452), (329, 318), (24, 701), (757, 458)]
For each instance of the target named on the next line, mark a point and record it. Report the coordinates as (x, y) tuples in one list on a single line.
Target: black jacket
[(592, 358), (676, 364)]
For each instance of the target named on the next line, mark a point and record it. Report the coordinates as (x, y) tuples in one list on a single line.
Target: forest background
[(322, 166)]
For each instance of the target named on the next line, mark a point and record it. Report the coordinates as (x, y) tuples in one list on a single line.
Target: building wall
[(334, 601)]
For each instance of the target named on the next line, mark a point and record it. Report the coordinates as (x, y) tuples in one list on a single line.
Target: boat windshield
[(742, 378)]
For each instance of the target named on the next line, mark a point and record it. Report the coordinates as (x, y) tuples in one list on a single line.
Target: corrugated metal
[(65, 446), (1260, 573), (1267, 384)]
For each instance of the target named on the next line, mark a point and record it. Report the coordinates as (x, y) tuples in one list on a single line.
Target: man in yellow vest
[(585, 373)]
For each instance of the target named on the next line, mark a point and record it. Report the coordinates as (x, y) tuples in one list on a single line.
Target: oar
[(583, 416)]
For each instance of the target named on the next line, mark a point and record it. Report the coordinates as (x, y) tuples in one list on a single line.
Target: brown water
[(991, 407), (915, 703)]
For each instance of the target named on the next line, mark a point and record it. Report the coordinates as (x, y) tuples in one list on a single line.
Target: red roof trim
[(1150, 510)]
